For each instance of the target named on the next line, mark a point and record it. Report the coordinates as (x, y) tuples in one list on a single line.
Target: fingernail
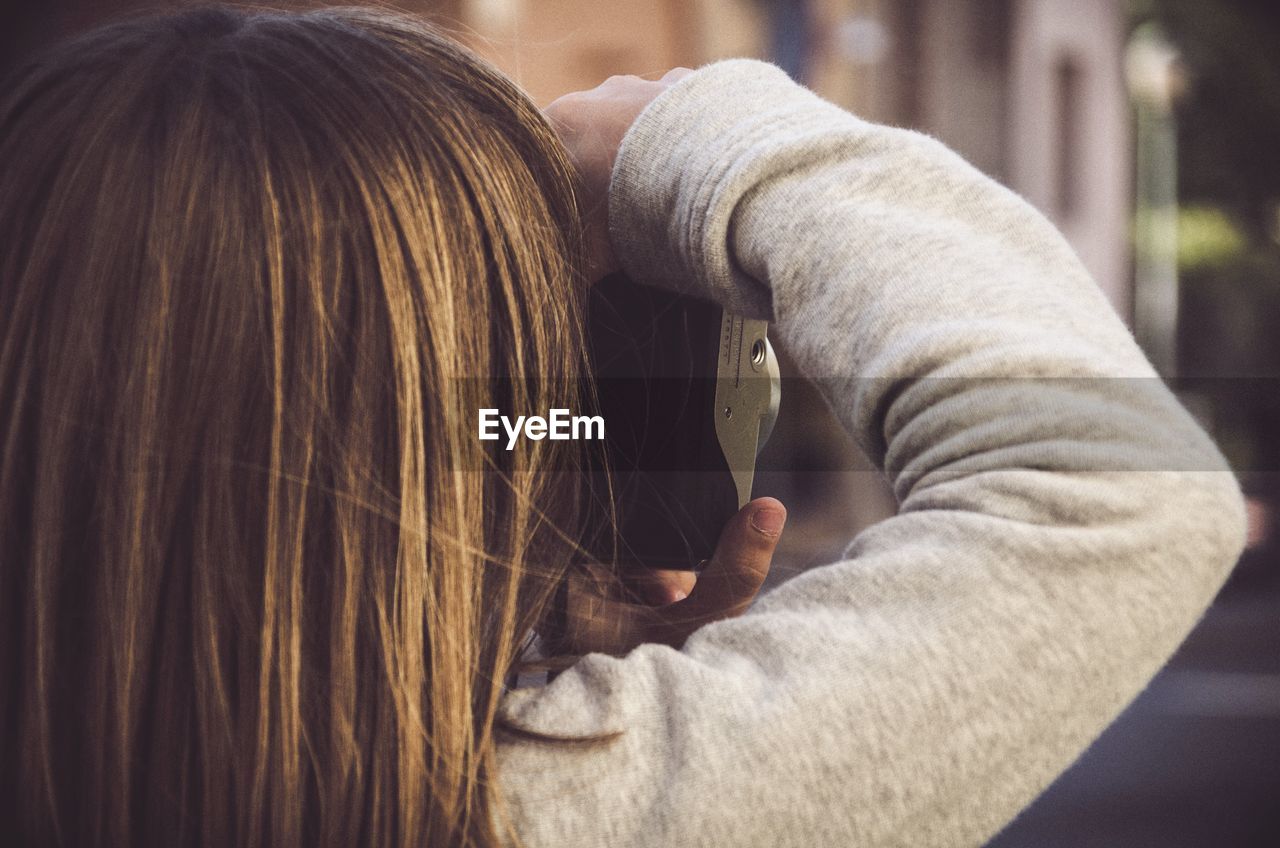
[(678, 595), (768, 520)]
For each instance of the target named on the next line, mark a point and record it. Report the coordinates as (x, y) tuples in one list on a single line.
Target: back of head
[(259, 582)]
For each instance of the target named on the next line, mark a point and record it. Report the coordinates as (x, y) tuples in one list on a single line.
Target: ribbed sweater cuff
[(683, 167)]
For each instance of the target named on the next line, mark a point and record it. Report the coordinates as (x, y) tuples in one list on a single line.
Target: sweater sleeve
[(1063, 522)]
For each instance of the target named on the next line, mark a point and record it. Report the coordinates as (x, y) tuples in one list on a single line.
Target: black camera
[(689, 394)]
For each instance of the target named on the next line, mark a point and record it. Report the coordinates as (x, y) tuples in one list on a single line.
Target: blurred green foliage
[(1208, 239)]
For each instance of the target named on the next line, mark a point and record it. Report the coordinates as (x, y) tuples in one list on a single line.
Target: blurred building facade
[(1031, 91)]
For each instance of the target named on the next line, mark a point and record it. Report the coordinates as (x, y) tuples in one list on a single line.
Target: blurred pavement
[(1195, 760)]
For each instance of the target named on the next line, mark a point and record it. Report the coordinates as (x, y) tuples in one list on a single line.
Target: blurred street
[(1195, 760)]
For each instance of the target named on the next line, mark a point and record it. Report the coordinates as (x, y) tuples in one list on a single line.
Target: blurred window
[(1068, 77), (909, 25), (991, 28)]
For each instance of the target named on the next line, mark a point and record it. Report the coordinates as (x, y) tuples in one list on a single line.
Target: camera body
[(689, 394)]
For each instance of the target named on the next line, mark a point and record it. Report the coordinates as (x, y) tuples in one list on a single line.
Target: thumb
[(730, 582)]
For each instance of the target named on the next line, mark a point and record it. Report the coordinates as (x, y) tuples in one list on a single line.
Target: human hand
[(591, 125), (673, 604)]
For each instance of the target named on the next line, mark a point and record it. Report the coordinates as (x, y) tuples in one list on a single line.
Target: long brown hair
[(260, 583)]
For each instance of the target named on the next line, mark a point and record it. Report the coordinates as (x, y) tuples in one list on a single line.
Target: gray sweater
[(1063, 522)]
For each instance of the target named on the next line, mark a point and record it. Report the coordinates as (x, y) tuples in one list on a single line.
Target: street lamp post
[(1153, 69)]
